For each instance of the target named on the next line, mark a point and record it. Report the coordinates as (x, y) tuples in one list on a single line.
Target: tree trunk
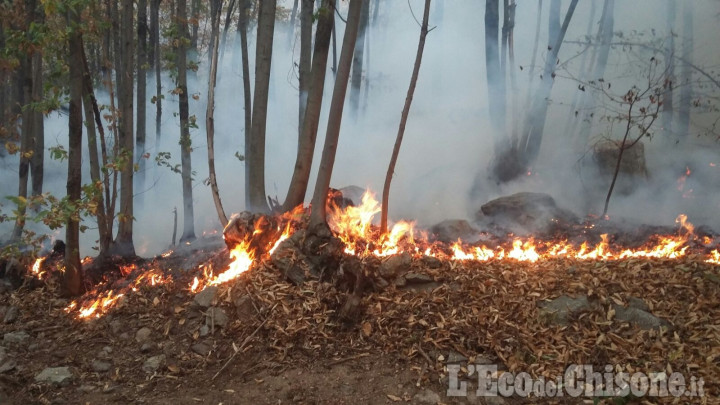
[(142, 30), (226, 27), (357, 64), (255, 189), (24, 100), (403, 119), (38, 128), (72, 276), (495, 80), (306, 148), (293, 16), (306, 21), (686, 91), (155, 46), (668, 102), (124, 240), (535, 120), (322, 184), (185, 141), (210, 113), (93, 123), (247, 92)]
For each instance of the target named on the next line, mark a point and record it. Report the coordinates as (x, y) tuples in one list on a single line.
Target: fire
[(242, 258), (714, 257), (36, 267)]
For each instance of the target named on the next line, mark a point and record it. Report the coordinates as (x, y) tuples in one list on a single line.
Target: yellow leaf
[(366, 328)]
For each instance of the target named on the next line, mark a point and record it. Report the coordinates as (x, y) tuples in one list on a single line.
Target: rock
[(143, 335), (394, 265), (57, 376), (634, 302), (154, 363), (455, 358), (639, 318), (3, 354), (17, 338), (244, 308), (417, 278), (87, 388), (204, 330), (431, 262), (217, 317), (560, 309), (100, 366), (633, 169), (8, 365), (124, 336), (427, 396), (147, 347), (116, 326), (11, 315), (451, 230), (531, 212), (105, 352), (399, 282), (205, 297), (201, 349)]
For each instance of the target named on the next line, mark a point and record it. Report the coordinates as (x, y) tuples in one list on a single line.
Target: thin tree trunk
[(293, 16), (669, 85), (495, 80), (124, 240), (322, 184), (72, 276), (686, 91), (357, 64), (306, 148), (27, 149), (185, 141), (334, 46), (226, 27), (306, 21), (210, 114), (38, 128), (403, 119), (247, 92), (255, 190), (155, 45), (535, 121), (142, 49)]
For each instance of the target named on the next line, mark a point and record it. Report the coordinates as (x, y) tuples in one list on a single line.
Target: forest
[(240, 200)]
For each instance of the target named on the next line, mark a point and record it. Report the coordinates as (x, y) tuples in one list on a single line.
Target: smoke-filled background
[(442, 171)]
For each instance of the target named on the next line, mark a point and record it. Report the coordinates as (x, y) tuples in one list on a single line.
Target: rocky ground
[(260, 339)]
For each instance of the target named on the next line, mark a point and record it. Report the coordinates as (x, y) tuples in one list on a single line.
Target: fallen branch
[(346, 359)]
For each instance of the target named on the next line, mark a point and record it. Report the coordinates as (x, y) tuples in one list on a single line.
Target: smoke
[(448, 142)]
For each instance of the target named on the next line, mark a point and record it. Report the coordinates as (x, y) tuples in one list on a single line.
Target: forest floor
[(262, 340)]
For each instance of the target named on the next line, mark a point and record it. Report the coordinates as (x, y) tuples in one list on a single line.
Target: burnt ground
[(262, 340)]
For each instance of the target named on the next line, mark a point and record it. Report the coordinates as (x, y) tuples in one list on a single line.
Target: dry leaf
[(366, 328), (394, 398)]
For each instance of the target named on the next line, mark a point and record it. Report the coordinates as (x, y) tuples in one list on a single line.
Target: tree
[(495, 81), (686, 91), (124, 240), (306, 148), (318, 218), (72, 275), (668, 99), (255, 157), (358, 56), (185, 140), (403, 118), (142, 50), (155, 61), (216, 7), (306, 21)]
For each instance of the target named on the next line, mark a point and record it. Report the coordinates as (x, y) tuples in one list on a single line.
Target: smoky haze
[(442, 170)]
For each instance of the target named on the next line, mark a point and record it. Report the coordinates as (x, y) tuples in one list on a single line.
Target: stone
[(153, 363), (205, 297), (634, 302), (451, 230), (204, 330), (3, 354), (639, 318), (100, 366), (394, 265), (147, 347), (11, 315), (201, 349), (528, 213), (8, 365), (633, 169), (217, 317), (17, 338), (427, 396), (431, 262), (116, 327), (417, 278), (560, 309), (455, 358), (143, 335), (57, 376)]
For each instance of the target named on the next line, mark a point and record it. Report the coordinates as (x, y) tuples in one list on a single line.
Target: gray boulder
[(57, 376)]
